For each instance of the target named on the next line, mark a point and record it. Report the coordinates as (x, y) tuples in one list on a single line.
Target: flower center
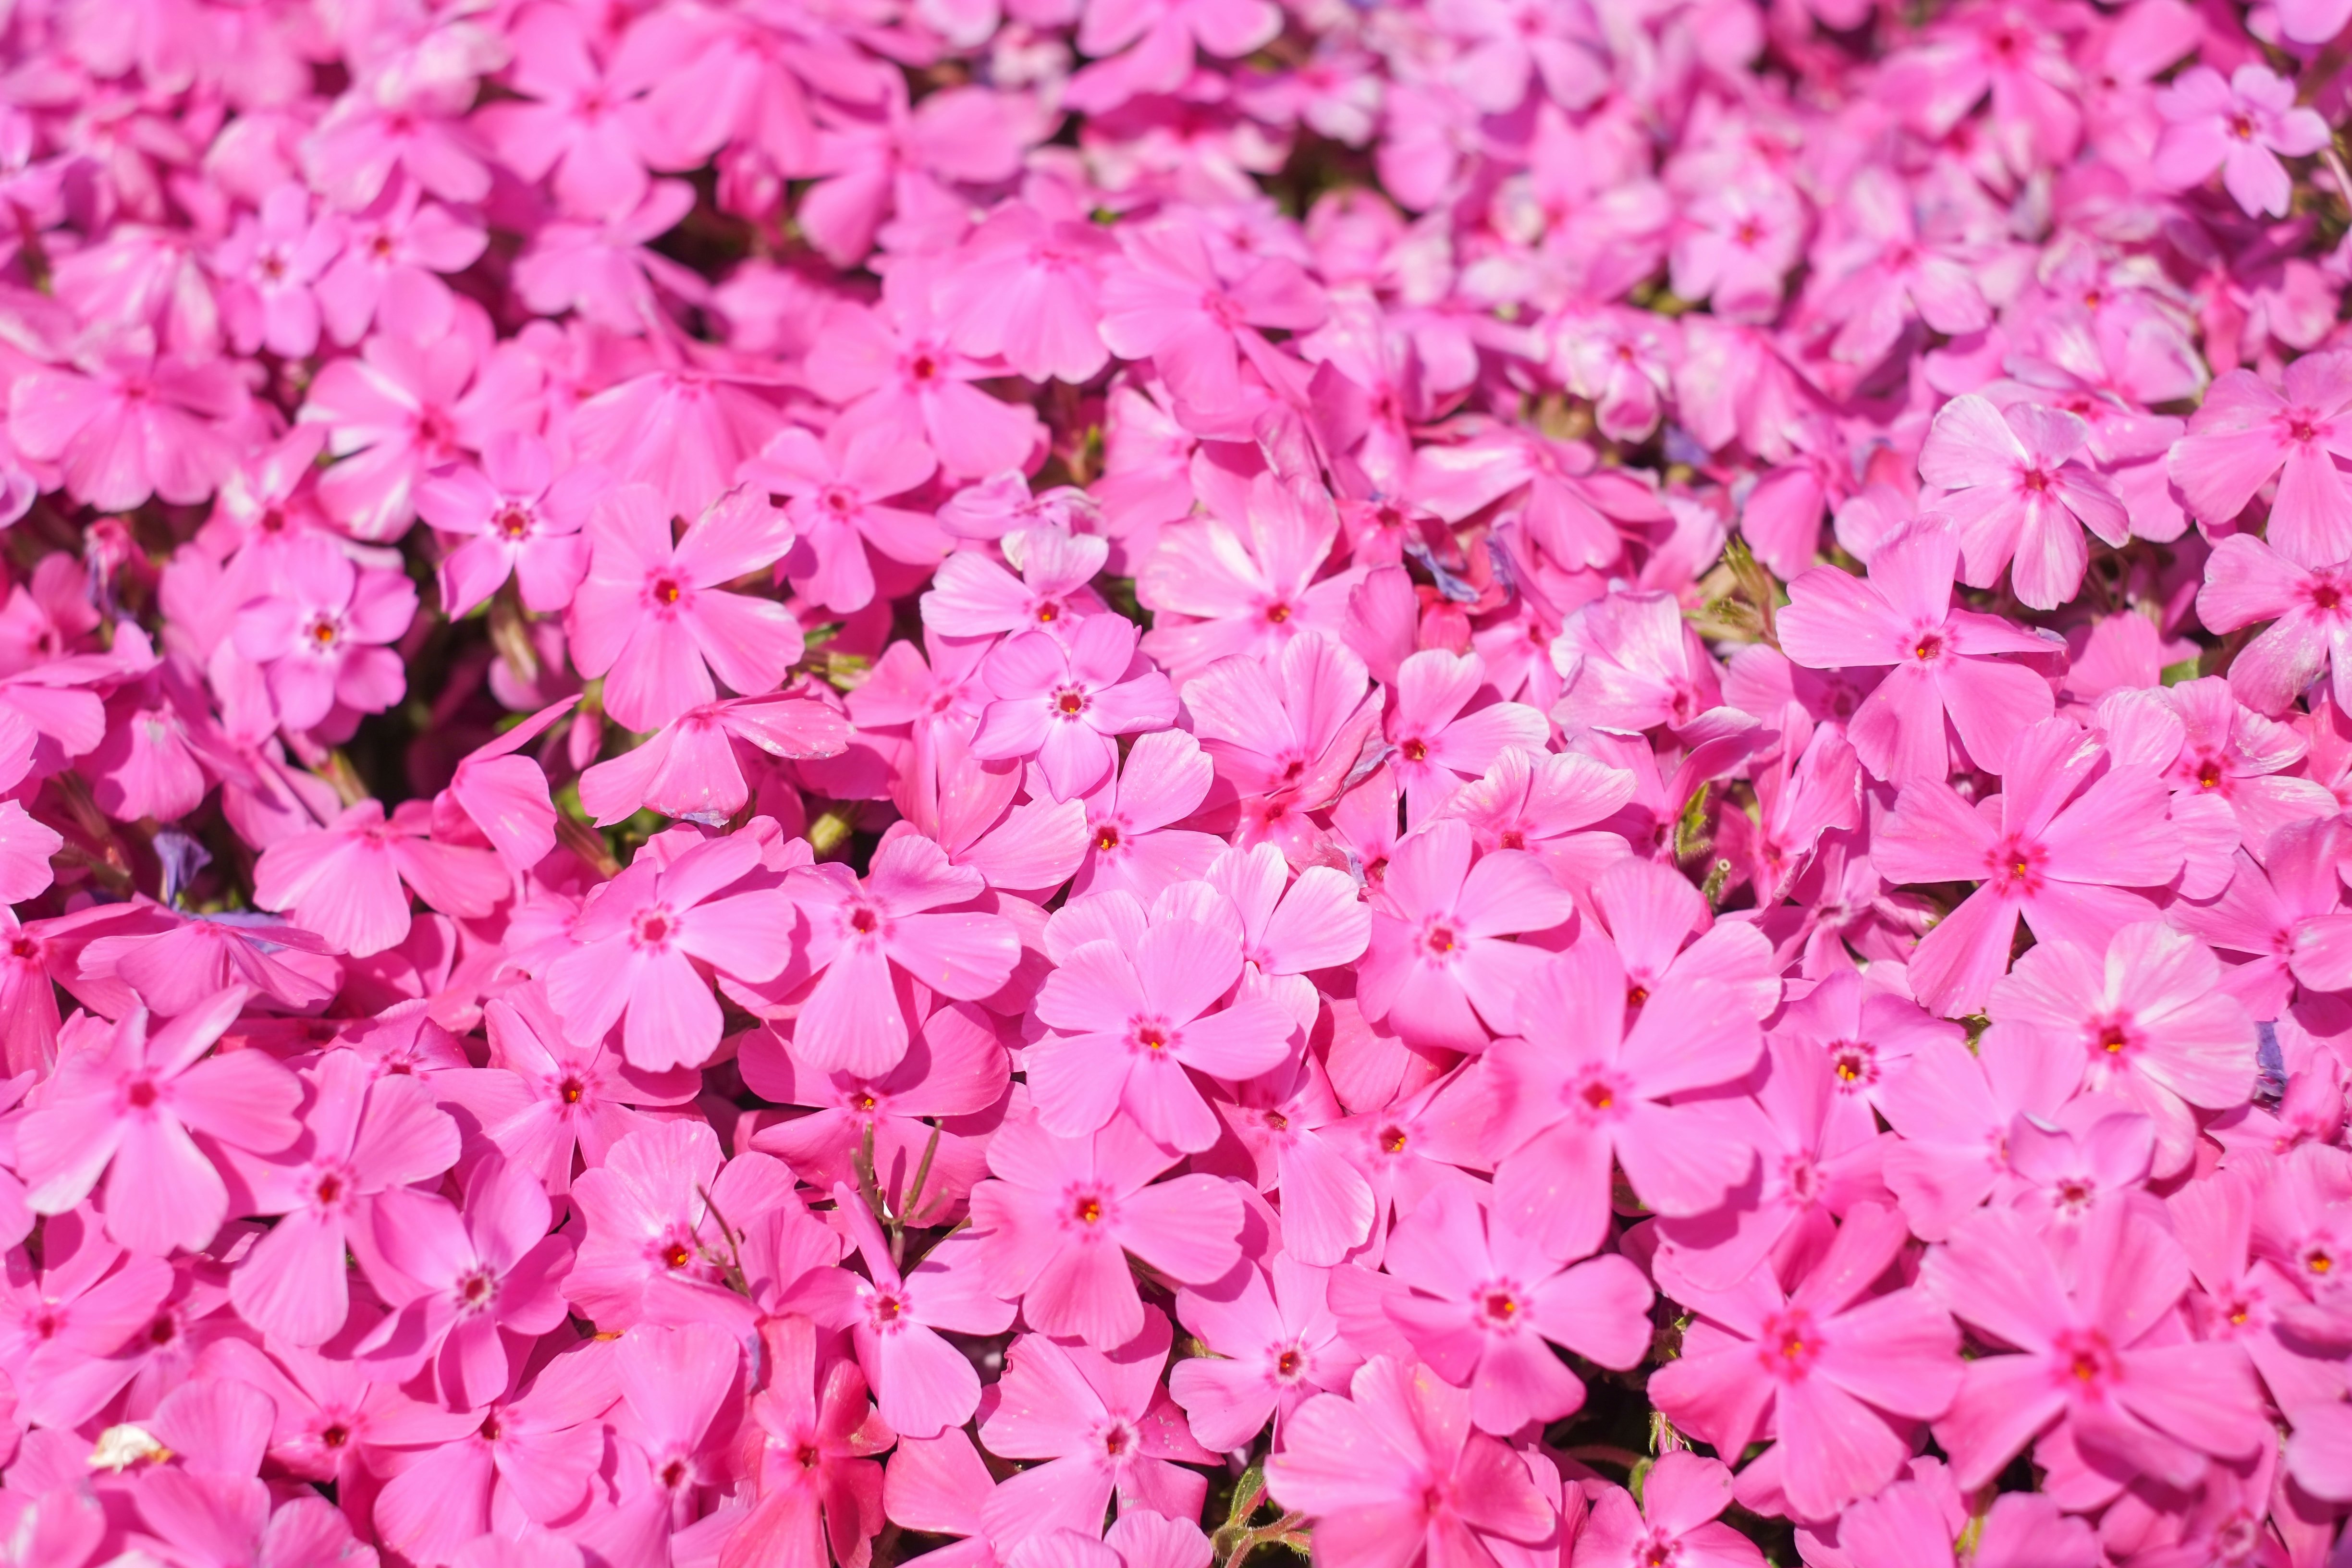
[(1439, 941), (1069, 702), (475, 1290)]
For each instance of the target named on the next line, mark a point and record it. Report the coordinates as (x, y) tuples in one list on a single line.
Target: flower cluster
[(1098, 784)]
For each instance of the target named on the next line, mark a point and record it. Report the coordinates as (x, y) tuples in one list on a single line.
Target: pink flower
[(319, 632), (1394, 1470), (130, 1110), (584, 121), (2241, 127), (2064, 848), (126, 424), (653, 618), (1591, 1084), (2246, 431), (459, 1281), (345, 881), (1675, 1522), (403, 408), (1062, 703), (1876, 272), (1839, 1372), (1441, 963), (2310, 612), (1222, 586), (640, 937), (362, 1136), (1103, 1427), (1276, 1345), (2148, 1022), (1059, 1216), (867, 940), (2095, 1359), (1131, 1009), (2014, 480), (521, 522), (1168, 303), (1628, 663), (1130, 842), (1436, 744), (925, 1384), (970, 595), (810, 1462), (1027, 287), (1288, 735), (274, 260), (895, 369), (833, 493), (394, 254), (1487, 1306), (693, 767), (656, 1248)]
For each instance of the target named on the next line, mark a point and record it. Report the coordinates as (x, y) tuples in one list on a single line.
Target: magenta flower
[(2247, 431), (350, 881), (1062, 703), (867, 940), (1441, 967), (1060, 1214), (320, 632), (2095, 1359), (1838, 1372), (131, 1108), (2014, 480), (654, 619), (1487, 1306), (1589, 1085), (2149, 1021), (2239, 127), (2065, 849), (459, 1281), (640, 937), (1394, 1470), (363, 1135), (519, 520), (834, 493), (1133, 1023), (1103, 1427)]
